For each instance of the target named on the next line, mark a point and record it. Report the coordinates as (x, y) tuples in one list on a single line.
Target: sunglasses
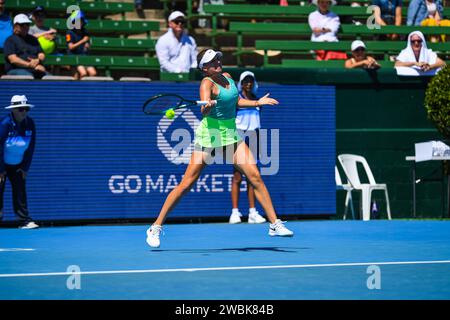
[(178, 22), (215, 63), (22, 109), (416, 41)]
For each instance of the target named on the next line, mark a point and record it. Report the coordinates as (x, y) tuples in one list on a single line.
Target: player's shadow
[(245, 249)]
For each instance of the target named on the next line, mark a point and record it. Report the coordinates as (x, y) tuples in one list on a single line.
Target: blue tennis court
[(325, 260)]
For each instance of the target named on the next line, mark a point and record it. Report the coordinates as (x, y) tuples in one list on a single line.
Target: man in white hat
[(176, 50), (23, 53), (17, 141)]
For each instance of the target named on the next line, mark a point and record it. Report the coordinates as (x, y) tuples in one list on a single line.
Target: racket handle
[(202, 103)]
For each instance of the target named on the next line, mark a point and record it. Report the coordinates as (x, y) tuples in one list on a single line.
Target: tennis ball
[(170, 114)]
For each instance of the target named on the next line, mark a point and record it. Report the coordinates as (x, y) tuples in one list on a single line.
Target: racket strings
[(161, 104)]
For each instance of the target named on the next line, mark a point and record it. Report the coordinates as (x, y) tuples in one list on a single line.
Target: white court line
[(293, 266), (15, 249)]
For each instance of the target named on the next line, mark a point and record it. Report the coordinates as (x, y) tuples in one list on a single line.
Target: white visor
[(208, 57)]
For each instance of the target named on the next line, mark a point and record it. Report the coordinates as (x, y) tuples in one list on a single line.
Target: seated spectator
[(6, 27), (427, 13), (359, 58), (138, 4), (325, 25), (388, 12), (23, 53), (45, 35), (78, 43), (176, 50), (417, 56)]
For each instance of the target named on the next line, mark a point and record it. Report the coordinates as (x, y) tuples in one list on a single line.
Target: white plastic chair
[(347, 187), (349, 163)]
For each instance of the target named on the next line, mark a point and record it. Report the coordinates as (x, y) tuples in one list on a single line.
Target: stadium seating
[(373, 47), (110, 26), (102, 62), (251, 11), (97, 8), (363, 30), (315, 64), (103, 44)]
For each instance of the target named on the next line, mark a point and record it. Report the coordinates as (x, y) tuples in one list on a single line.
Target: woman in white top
[(248, 125), (417, 55)]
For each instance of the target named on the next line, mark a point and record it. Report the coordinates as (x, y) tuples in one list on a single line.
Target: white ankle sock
[(235, 211), (252, 210)]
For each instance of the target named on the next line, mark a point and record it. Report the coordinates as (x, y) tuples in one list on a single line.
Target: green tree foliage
[(437, 101)]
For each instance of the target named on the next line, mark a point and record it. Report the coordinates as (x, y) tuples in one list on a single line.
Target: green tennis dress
[(218, 128)]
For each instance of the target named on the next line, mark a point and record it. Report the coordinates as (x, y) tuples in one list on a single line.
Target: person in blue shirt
[(6, 27), (78, 43), (427, 13), (388, 12), (17, 141)]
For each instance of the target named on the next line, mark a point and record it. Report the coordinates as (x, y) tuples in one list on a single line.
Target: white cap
[(358, 44), (21, 18), (316, 2), (175, 14), (243, 76), (209, 55), (19, 101)]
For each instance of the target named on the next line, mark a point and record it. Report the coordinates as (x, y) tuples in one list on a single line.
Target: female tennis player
[(248, 124), (216, 132)]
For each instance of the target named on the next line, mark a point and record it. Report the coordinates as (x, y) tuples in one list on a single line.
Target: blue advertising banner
[(99, 157)]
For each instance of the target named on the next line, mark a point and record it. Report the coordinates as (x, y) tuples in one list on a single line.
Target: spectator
[(45, 35), (6, 28), (78, 43), (427, 13), (420, 10), (359, 58), (176, 50), (138, 4), (23, 53), (325, 25), (388, 12), (417, 56), (18, 136), (248, 125)]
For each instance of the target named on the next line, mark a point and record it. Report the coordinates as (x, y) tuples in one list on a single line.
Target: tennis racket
[(161, 103)]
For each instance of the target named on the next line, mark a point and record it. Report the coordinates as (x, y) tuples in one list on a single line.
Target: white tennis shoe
[(153, 235), (29, 225), (255, 217), (235, 218), (278, 229)]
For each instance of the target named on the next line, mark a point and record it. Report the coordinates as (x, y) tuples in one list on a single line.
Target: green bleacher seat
[(107, 62), (109, 26), (100, 44), (322, 64), (363, 30), (373, 47), (252, 11), (90, 8), (101, 62)]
